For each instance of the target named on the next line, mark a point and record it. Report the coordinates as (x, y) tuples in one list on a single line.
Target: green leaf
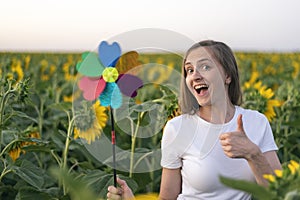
[(36, 148), (256, 190), (61, 106), (24, 115), (100, 181), (30, 173), (30, 194), (7, 191), (292, 195), (76, 188), (35, 140)]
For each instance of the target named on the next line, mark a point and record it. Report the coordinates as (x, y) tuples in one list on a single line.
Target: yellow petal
[(278, 173), (295, 164), (269, 177), (292, 168)]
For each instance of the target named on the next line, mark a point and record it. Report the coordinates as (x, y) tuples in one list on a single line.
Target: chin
[(203, 104)]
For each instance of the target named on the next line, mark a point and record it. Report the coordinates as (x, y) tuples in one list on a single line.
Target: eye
[(204, 68), (189, 70)]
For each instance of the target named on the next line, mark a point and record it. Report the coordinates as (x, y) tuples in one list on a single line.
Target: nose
[(197, 75)]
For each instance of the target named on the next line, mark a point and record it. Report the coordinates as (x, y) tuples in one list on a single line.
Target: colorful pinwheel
[(103, 80)]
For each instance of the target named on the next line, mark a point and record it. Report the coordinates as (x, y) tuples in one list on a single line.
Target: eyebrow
[(199, 61)]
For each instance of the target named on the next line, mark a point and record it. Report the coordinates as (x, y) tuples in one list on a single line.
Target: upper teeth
[(200, 86)]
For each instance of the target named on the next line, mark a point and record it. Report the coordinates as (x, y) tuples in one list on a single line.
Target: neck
[(217, 114)]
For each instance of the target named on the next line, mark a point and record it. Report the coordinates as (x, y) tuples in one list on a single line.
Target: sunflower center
[(110, 74)]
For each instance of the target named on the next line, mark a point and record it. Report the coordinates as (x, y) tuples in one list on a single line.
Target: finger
[(111, 196), (240, 126), (121, 182), (113, 190), (224, 142), (224, 136)]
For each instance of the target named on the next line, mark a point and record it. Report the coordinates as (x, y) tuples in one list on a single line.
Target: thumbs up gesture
[(236, 144)]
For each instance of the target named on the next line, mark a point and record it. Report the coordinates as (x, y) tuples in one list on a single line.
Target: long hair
[(224, 56)]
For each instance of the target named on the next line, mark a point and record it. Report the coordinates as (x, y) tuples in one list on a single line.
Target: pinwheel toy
[(105, 78)]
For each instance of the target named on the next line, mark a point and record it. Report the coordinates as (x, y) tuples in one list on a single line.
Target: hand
[(236, 144), (123, 192)]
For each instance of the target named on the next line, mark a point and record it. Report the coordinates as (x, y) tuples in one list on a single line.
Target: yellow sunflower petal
[(292, 168), (295, 164), (95, 130), (278, 173), (269, 177), (15, 153)]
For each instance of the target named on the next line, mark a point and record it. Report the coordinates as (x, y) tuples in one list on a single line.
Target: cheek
[(216, 78), (188, 84)]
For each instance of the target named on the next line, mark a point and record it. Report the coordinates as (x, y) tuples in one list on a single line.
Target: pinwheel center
[(110, 74)]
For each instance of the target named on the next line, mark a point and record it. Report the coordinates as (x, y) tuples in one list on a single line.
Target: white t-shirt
[(192, 144)]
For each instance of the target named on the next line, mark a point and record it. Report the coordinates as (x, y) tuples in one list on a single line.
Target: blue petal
[(111, 96), (109, 54)]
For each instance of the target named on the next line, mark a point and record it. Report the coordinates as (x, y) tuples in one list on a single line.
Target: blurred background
[(53, 25), (56, 145)]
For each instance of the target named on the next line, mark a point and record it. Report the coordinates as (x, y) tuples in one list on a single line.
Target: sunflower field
[(54, 145)]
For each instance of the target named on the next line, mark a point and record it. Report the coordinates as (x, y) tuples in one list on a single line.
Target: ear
[(227, 80)]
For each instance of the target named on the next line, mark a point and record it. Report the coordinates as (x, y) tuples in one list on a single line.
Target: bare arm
[(237, 145), (170, 186), (263, 163)]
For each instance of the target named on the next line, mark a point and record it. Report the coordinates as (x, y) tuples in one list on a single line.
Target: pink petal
[(91, 87)]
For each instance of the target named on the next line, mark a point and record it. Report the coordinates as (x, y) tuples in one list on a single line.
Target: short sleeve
[(170, 156), (259, 130), (267, 143)]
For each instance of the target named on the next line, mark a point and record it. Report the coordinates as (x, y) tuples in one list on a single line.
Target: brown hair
[(224, 56)]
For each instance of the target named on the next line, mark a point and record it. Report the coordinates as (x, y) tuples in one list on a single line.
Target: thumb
[(240, 126), (126, 191)]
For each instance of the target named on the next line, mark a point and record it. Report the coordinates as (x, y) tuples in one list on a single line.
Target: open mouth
[(201, 88)]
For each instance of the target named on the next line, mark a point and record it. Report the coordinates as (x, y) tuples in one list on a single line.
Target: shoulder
[(252, 115), (180, 125), (182, 121), (182, 117)]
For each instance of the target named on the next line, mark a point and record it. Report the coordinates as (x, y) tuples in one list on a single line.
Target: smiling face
[(205, 77)]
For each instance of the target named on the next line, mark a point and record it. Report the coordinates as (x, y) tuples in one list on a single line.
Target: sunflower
[(258, 96), (267, 93), (17, 71), (27, 61), (16, 149), (46, 70), (67, 72), (15, 153), (296, 71), (293, 166), (90, 125)]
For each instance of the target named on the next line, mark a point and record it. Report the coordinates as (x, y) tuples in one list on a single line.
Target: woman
[(213, 136)]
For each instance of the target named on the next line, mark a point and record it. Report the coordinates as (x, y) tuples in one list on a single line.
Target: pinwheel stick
[(113, 142)]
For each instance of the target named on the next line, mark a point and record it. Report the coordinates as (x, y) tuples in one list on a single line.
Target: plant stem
[(6, 147), (133, 139), (41, 114), (2, 105), (67, 144), (4, 172)]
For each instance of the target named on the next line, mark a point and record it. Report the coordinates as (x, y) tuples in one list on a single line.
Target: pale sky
[(77, 25)]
